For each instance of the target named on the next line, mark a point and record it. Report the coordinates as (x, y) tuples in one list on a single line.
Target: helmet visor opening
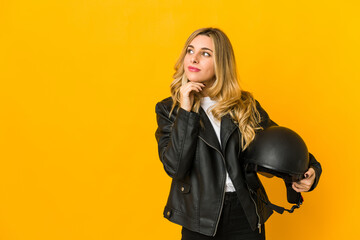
[(286, 176)]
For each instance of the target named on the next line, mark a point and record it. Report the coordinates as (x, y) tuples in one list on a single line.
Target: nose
[(194, 59)]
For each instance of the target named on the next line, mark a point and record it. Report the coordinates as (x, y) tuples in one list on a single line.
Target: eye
[(189, 50), (206, 54)]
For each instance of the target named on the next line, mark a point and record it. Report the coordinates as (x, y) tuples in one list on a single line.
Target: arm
[(176, 140), (314, 172)]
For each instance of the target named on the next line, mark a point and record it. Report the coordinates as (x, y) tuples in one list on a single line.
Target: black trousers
[(233, 224)]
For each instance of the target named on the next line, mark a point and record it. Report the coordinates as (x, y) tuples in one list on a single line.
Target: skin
[(305, 184), (200, 54)]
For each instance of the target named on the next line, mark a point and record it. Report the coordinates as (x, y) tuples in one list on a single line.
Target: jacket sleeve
[(177, 140), (313, 163)]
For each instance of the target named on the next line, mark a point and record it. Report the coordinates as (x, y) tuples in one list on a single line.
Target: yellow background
[(80, 80)]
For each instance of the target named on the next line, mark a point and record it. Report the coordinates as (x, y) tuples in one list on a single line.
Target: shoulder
[(164, 106), (165, 102), (265, 120), (260, 109), (248, 98)]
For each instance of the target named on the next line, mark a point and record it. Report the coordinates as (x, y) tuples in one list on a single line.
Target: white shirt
[(206, 104)]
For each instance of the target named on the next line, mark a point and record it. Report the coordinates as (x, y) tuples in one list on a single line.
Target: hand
[(305, 184), (186, 95)]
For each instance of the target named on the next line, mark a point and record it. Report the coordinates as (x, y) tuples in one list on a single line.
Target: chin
[(195, 80)]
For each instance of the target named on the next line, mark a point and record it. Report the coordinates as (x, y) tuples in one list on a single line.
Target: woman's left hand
[(305, 184)]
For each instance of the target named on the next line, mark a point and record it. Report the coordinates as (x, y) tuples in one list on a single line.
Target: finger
[(303, 186), (199, 84), (309, 173), (196, 83), (298, 185), (190, 88), (308, 182), (295, 188), (195, 88), (298, 188), (305, 182), (192, 85)]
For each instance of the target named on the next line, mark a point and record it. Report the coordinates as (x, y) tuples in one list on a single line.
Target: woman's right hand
[(187, 96)]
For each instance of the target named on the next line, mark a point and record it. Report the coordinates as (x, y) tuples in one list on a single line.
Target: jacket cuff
[(192, 117)]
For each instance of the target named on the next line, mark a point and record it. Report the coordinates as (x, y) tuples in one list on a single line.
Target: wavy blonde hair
[(226, 90)]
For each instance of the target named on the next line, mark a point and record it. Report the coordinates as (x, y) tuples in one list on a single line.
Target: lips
[(193, 69)]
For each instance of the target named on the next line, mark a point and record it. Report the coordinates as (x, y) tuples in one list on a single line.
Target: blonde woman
[(202, 130)]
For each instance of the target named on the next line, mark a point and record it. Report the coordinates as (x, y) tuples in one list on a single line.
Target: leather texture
[(191, 155)]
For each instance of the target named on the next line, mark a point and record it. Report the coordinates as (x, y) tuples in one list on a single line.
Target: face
[(199, 60)]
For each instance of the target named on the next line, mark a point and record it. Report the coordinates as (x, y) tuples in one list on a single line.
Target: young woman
[(203, 129)]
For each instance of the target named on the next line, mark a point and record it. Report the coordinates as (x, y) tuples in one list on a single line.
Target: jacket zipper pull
[(259, 226)]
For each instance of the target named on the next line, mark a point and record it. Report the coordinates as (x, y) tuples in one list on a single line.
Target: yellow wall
[(79, 84)]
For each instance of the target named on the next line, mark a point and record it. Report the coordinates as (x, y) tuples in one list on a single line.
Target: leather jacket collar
[(227, 127)]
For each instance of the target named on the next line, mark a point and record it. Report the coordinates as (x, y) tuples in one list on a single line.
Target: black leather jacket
[(192, 157)]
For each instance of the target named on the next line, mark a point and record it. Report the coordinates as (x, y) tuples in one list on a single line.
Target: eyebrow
[(204, 48)]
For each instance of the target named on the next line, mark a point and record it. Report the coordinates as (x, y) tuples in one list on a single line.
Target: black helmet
[(277, 151)]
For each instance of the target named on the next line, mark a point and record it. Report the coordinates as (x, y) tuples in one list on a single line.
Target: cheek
[(211, 68), (186, 60)]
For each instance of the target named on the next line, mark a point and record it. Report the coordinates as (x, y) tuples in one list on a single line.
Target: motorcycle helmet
[(277, 151)]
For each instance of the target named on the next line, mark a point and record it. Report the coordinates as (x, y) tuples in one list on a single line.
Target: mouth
[(193, 69)]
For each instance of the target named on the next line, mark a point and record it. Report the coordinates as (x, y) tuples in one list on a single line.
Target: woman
[(203, 128)]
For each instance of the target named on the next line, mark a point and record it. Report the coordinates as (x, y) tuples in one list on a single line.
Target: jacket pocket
[(183, 200)]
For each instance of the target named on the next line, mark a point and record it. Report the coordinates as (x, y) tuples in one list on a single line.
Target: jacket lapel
[(227, 128), (208, 134)]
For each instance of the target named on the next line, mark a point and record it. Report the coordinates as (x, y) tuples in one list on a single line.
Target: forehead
[(202, 41)]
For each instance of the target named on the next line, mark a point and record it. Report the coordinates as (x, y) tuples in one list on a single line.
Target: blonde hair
[(226, 90)]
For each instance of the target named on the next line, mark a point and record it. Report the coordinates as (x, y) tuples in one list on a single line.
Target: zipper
[(259, 224), (223, 196)]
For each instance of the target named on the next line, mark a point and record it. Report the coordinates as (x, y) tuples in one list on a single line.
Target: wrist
[(188, 109)]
